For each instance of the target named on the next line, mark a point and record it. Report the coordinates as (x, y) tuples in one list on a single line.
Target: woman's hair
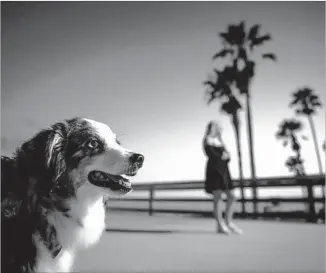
[(209, 128)]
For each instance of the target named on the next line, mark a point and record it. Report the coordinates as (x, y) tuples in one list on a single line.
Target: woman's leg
[(229, 212), (221, 227)]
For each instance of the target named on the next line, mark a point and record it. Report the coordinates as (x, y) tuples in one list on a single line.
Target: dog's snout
[(137, 158)]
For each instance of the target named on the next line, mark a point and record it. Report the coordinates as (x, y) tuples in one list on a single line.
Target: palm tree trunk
[(313, 131), (301, 171), (251, 150), (237, 135)]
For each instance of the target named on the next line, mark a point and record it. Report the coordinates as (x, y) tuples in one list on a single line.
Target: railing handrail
[(309, 182), (203, 199), (260, 182)]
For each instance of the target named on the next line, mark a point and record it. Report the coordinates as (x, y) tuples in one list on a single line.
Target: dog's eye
[(92, 144)]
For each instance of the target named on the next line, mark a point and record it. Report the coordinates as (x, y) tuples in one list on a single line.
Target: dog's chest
[(83, 230)]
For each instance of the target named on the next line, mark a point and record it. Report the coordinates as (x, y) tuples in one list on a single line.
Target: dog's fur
[(50, 205)]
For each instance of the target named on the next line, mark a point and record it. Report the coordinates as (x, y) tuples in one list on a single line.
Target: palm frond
[(209, 83), (253, 32), (211, 96), (317, 104), (313, 97), (239, 34), (270, 56), (227, 38), (309, 111), (223, 53), (295, 100), (262, 39), (259, 40)]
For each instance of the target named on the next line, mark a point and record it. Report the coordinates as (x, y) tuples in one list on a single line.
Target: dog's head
[(82, 153)]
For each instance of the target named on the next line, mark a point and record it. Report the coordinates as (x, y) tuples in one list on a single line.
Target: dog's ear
[(55, 154)]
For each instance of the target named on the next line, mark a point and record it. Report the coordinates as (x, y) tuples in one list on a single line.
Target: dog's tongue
[(101, 176), (117, 178)]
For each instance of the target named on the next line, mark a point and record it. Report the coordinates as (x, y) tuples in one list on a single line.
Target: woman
[(218, 178)]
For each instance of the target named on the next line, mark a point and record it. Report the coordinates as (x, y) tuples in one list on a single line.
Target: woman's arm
[(226, 155), (211, 150)]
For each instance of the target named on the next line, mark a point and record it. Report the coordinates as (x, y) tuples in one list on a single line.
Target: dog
[(53, 191)]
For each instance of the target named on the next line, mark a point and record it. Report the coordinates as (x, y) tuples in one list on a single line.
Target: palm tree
[(239, 46), (288, 132), (220, 90), (295, 165), (306, 103)]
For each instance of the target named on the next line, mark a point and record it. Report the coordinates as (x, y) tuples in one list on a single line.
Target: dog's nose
[(137, 158)]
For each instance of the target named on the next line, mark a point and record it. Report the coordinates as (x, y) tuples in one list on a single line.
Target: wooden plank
[(277, 214), (265, 182), (260, 200), (260, 181), (309, 182)]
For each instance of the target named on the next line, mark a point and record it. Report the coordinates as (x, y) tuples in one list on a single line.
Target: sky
[(140, 67)]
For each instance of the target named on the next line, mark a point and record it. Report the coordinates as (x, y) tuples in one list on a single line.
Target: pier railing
[(310, 200)]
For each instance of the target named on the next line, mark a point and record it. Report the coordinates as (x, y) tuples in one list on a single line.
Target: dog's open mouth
[(114, 182)]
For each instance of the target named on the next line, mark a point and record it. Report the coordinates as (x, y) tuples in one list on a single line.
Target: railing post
[(311, 202), (255, 198), (242, 200), (323, 193), (151, 199), (324, 203)]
